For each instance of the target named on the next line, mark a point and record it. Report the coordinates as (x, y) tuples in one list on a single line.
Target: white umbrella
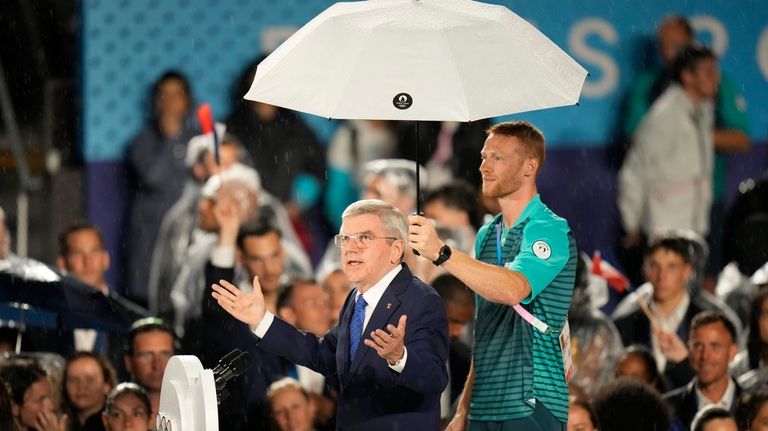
[(439, 60)]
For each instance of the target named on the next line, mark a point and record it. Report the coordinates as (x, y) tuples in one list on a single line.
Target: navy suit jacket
[(371, 395), (685, 404)]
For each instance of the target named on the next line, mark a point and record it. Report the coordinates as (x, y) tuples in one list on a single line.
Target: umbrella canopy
[(441, 60)]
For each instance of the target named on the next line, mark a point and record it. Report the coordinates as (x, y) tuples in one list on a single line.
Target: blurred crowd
[(680, 342)]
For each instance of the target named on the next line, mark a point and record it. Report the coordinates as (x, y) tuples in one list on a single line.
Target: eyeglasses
[(362, 240)]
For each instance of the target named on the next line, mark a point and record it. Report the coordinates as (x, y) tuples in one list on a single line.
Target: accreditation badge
[(565, 348)]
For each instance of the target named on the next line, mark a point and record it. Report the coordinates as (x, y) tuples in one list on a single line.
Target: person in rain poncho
[(243, 185), (175, 234), (596, 344)]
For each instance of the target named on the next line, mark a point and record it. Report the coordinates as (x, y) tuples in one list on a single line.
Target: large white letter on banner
[(762, 53), (713, 26), (608, 79)]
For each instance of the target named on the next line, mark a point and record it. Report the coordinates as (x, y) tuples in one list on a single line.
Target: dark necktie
[(356, 326)]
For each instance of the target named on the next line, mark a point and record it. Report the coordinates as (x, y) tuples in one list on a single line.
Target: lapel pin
[(389, 305)]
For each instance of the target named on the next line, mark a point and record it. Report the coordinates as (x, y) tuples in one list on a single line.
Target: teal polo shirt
[(517, 366)]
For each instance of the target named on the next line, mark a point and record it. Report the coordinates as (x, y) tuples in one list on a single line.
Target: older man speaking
[(390, 377)]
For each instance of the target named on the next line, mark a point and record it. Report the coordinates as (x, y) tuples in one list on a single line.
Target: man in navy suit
[(712, 345), (389, 377)]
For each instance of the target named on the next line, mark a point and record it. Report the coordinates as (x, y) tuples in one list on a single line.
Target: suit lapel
[(691, 404), (644, 330), (385, 309)]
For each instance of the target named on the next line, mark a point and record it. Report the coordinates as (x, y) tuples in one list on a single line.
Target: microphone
[(225, 361), (235, 367), (230, 366)]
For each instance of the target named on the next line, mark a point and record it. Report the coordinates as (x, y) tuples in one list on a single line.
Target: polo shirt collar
[(533, 205)]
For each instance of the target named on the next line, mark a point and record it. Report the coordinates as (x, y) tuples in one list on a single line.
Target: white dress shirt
[(725, 402), (85, 339), (669, 324)]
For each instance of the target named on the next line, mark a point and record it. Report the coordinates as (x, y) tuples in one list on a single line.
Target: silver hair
[(394, 221), (237, 172)]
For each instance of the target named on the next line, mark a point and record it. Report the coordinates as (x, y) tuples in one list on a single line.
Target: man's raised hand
[(389, 346), (225, 211), (671, 346), (245, 307)]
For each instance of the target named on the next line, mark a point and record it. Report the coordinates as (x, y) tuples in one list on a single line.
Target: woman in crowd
[(756, 355), (30, 392), (127, 409), (6, 418), (713, 418), (581, 415), (627, 404), (156, 160), (88, 378), (637, 362), (752, 411)]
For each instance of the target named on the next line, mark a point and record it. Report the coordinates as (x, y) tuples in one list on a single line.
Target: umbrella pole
[(418, 182)]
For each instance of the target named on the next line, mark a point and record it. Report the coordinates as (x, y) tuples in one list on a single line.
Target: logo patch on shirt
[(541, 250)]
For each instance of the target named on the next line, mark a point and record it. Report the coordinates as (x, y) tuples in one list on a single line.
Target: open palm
[(245, 307)]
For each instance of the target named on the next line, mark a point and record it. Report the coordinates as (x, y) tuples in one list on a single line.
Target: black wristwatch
[(445, 254)]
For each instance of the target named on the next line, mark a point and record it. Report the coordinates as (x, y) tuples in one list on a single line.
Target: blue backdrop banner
[(128, 44)]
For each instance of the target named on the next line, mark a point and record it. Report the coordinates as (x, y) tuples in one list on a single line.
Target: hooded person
[(243, 185), (595, 341), (179, 222), (240, 183)]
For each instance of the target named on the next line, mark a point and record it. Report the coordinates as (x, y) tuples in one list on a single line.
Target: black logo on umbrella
[(402, 101)]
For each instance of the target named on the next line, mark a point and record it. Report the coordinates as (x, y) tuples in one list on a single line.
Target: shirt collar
[(530, 208), (669, 323), (724, 402), (673, 321), (373, 295), (680, 97)]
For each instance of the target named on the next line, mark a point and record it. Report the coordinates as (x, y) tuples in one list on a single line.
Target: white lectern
[(187, 397)]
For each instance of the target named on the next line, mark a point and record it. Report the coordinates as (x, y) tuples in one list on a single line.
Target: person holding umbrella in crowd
[(523, 277)]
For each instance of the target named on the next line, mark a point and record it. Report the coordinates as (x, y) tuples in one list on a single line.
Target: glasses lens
[(364, 240)]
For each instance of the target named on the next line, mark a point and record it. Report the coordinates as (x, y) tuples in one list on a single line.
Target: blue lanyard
[(498, 242)]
